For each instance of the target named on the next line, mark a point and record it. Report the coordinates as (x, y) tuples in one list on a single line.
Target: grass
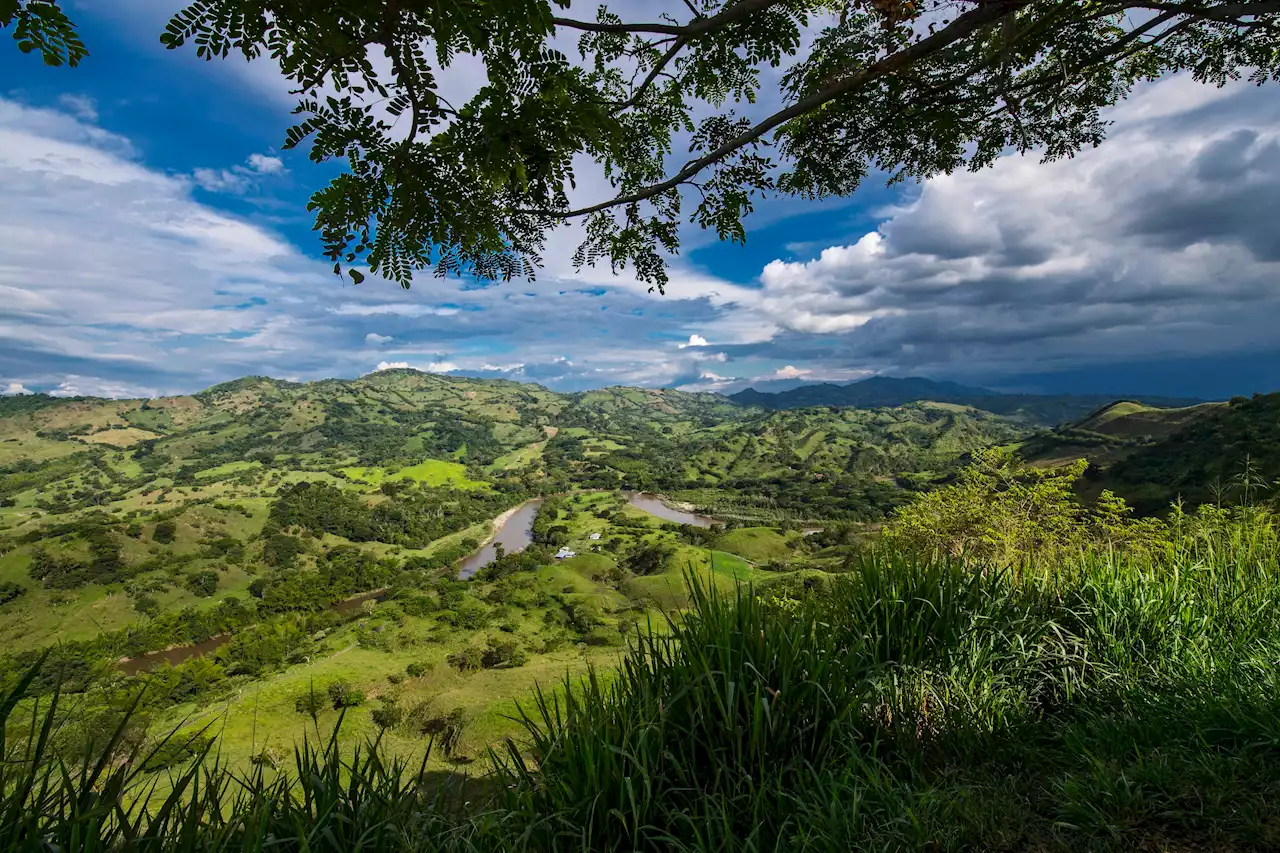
[(430, 472), (1105, 701), (757, 544)]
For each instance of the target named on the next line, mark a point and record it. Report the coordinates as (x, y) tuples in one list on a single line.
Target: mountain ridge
[(888, 392)]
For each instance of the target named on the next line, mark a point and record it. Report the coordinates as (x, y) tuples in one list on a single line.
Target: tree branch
[(963, 26), (726, 16)]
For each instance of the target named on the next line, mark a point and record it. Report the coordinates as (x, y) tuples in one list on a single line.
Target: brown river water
[(515, 534)]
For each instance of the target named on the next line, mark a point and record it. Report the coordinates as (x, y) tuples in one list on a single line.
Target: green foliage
[(475, 187), (40, 26), (388, 715), (10, 591), (1004, 512), (163, 532), (311, 703), (466, 659), (648, 557), (343, 695), (203, 584)]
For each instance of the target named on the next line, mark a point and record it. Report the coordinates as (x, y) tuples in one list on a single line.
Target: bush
[(179, 749), (502, 652), (466, 660), (163, 532), (310, 703), (388, 716), (417, 669), (10, 591), (446, 729), (343, 695), (203, 584), (396, 677)]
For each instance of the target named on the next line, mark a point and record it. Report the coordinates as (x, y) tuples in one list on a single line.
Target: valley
[(421, 561)]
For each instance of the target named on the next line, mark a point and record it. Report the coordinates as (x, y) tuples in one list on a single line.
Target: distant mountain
[(887, 392)]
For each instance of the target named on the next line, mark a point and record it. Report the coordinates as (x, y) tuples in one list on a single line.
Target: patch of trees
[(411, 518), (10, 591), (648, 557), (105, 564)]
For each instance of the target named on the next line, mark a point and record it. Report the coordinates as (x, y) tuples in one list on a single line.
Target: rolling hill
[(884, 391)]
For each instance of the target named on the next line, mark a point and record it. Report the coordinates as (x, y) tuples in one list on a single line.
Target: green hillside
[(1112, 432), (1217, 455), (251, 521), (267, 562)]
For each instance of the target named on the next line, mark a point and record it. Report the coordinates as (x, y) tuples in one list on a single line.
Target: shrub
[(446, 729), (310, 703), (10, 591), (388, 716), (163, 532), (417, 669), (396, 677), (466, 660), (203, 584), (343, 695), (502, 652), (179, 749)]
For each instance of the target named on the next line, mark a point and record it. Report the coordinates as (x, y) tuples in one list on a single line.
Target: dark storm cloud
[(1162, 242)]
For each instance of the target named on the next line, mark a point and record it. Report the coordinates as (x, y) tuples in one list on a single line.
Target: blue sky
[(154, 240)]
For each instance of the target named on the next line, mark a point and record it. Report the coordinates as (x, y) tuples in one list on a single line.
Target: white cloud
[(1159, 242), (13, 389), (374, 339), (695, 341), (403, 309), (394, 365), (238, 179), (264, 165), (92, 386), (789, 372), (80, 106)]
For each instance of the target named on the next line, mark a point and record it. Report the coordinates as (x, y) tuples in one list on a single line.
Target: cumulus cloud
[(14, 389), (1160, 241), (238, 179), (394, 365)]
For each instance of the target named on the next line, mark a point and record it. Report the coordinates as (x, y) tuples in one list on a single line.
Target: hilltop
[(238, 432), (885, 391)]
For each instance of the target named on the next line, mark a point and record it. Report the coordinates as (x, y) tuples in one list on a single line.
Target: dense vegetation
[(1097, 699), (798, 677)]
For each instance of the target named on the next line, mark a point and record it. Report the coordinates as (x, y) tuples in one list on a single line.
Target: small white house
[(565, 553), (594, 536)]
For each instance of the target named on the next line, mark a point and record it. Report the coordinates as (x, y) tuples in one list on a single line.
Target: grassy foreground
[(1107, 700)]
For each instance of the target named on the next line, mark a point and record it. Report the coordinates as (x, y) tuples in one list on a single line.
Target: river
[(513, 534), (654, 505), (181, 654)]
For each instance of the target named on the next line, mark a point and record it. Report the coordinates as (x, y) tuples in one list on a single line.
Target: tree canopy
[(672, 115)]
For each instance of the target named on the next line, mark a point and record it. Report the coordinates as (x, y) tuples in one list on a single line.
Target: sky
[(154, 240)]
